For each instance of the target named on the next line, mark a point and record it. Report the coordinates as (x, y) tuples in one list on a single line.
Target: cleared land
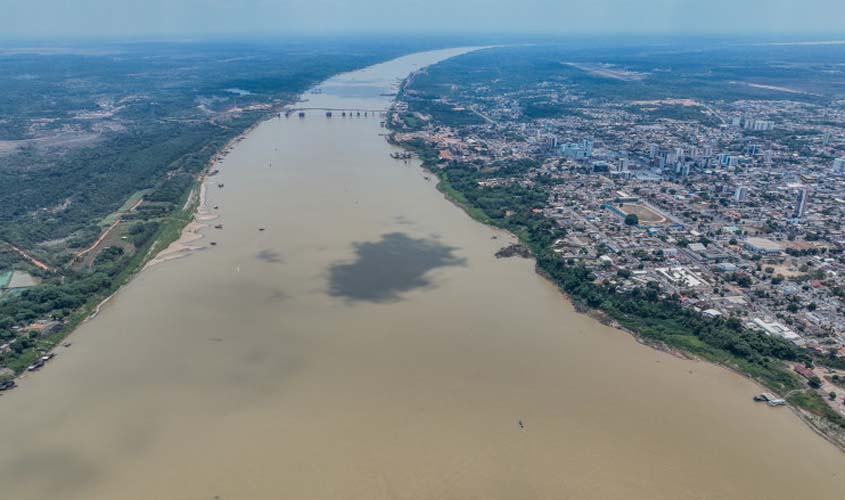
[(608, 71), (21, 279), (644, 213)]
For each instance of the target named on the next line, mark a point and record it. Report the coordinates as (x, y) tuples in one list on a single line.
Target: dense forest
[(96, 135), (92, 127)]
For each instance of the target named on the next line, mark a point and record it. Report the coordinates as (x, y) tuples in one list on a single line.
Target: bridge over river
[(289, 111)]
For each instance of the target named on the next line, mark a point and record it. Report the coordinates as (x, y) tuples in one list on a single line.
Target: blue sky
[(157, 17)]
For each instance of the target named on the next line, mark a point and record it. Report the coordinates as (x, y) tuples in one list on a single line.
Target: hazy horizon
[(121, 18)]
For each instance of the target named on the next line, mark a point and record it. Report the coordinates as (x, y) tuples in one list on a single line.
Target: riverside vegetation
[(97, 135), (643, 311), (439, 98)]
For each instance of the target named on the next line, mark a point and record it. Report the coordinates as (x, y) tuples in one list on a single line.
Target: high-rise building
[(839, 165), (727, 160), (765, 125), (576, 151), (671, 159), (758, 125), (752, 149), (652, 151), (801, 204), (741, 193)]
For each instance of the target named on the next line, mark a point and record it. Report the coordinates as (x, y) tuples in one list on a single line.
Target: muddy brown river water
[(368, 345)]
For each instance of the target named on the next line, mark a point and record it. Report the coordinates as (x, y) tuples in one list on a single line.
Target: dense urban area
[(694, 197)]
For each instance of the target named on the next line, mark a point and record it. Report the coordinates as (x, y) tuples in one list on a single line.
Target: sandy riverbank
[(202, 215)]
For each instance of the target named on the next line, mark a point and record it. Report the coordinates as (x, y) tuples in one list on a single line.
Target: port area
[(770, 399)]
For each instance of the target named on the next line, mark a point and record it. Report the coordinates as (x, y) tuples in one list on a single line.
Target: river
[(367, 344)]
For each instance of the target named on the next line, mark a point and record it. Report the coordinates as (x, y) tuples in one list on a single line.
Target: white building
[(776, 329), (758, 125), (762, 246)]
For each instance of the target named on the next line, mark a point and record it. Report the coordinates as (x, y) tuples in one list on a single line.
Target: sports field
[(646, 215)]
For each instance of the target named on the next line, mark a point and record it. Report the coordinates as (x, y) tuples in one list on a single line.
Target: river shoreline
[(165, 247), (200, 217), (175, 249), (199, 214), (300, 359), (817, 424)]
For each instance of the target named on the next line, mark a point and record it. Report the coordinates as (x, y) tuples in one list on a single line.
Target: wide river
[(368, 345)]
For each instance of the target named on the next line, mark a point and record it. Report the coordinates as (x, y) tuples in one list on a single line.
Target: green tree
[(632, 220)]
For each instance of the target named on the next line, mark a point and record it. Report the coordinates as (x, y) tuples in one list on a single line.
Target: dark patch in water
[(270, 256), (70, 471), (384, 269), (278, 295)]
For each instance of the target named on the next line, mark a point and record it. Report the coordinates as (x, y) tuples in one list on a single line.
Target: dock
[(770, 399)]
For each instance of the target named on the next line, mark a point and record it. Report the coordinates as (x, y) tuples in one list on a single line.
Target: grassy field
[(812, 402), (129, 203)]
